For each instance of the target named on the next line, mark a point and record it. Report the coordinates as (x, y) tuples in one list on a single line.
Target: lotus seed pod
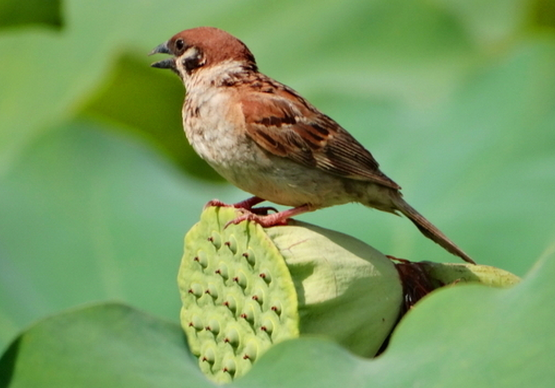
[(448, 273), (245, 288), (238, 296), (347, 290)]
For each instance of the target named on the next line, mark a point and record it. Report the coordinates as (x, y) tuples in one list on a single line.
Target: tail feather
[(429, 230)]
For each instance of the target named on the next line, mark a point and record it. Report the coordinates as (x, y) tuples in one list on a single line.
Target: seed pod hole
[(212, 290), (276, 307), (201, 258), (250, 257), (213, 326), (251, 351), (208, 355), (232, 337), (231, 243), (266, 276), (216, 239), (248, 314), (241, 279), (267, 326), (258, 296), (229, 366), (231, 303), (222, 270), (196, 289), (196, 323)]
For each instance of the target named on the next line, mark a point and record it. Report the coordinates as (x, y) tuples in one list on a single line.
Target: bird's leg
[(266, 221), (246, 205)]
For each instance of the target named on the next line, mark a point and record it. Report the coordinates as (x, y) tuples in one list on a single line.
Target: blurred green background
[(455, 99)]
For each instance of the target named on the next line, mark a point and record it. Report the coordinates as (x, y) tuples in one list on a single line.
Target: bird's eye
[(179, 44)]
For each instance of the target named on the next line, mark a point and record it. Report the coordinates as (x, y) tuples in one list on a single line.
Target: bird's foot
[(265, 221), (269, 220), (247, 205)]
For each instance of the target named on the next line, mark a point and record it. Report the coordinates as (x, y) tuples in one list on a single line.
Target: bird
[(266, 139)]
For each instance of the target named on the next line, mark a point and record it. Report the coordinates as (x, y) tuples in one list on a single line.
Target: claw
[(215, 202), (265, 221), (263, 210), (246, 204), (260, 215)]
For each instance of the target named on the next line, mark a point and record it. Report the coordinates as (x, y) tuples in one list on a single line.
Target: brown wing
[(285, 124)]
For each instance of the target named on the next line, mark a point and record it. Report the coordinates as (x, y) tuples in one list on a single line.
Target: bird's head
[(199, 48)]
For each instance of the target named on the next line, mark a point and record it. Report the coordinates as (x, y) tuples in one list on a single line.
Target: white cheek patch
[(191, 52)]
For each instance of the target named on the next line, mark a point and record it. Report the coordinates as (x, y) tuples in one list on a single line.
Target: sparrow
[(266, 139)]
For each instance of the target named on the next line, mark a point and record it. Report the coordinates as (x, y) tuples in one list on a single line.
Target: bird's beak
[(165, 63), (161, 49)]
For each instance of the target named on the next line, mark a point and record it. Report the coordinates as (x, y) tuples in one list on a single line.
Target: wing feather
[(286, 125)]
